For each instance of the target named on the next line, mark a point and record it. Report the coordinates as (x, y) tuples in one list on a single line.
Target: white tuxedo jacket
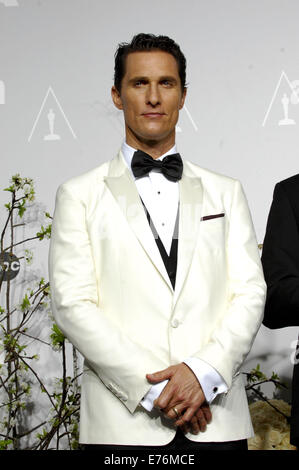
[(112, 298)]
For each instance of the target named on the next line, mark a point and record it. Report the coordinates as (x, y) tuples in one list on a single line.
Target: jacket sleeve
[(234, 333), (280, 261), (120, 363)]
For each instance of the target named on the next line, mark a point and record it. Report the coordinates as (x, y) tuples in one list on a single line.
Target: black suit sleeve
[(280, 259)]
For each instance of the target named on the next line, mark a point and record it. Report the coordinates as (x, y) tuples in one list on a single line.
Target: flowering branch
[(18, 372), (256, 378)]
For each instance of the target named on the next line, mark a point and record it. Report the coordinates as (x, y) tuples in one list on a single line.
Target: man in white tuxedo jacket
[(156, 277)]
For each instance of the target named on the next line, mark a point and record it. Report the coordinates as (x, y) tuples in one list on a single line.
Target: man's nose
[(153, 95)]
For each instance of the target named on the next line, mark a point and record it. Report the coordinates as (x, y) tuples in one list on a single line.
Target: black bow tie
[(171, 166)]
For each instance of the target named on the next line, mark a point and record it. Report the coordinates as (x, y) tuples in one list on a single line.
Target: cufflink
[(215, 389)]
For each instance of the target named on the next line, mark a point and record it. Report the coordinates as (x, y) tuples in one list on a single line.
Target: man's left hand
[(183, 392)]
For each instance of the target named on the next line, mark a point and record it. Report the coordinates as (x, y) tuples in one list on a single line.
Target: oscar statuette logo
[(52, 112), (9, 266), (286, 94), (51, 136)]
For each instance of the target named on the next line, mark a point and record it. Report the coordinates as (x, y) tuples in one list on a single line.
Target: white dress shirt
[(161, 198)]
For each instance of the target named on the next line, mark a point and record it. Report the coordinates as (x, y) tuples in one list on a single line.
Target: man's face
[(150, 97)]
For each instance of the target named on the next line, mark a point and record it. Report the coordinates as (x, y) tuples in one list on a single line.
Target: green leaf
[(5, 443), (22, 208), (10, 188), (57, 336), (44, 232), (28, 256), (25, 303)]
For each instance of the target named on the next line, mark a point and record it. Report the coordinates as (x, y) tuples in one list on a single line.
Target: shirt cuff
[(210, 380), (148, 400)]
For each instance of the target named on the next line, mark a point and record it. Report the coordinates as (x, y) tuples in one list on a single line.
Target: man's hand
[(182, 399), (198, 423)]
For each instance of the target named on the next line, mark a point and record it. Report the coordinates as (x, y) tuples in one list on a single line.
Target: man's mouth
[(153, 115)]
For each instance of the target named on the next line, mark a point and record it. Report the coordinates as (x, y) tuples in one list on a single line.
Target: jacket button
[(175, 323)]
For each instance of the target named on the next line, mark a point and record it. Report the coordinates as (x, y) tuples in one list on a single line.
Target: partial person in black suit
[(280, 261)]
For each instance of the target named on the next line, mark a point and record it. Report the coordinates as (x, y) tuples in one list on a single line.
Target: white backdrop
[(242, 60)]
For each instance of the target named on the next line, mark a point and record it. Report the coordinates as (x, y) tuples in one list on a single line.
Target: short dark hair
[(147, 42)]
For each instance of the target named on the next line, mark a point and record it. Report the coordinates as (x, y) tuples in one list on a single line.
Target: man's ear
[(183, 98), (116, 98)]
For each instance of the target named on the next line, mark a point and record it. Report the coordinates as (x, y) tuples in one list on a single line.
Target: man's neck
[(152, 148), (128, 151)]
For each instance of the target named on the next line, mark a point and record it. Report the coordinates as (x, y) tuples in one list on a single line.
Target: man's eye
[(139, 82)]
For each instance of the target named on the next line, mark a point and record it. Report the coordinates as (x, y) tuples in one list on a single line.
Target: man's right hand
[(182, 399), (199, 420)]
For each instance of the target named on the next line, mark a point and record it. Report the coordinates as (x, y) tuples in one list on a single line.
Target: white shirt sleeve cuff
[(148, 400), (210, 380)]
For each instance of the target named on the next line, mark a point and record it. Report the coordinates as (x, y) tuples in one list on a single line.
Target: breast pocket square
[(213, 216)]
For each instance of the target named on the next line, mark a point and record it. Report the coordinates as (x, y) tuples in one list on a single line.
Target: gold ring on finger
[(176, 412)]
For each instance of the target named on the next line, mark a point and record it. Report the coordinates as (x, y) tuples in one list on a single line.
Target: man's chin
[(155, 137)]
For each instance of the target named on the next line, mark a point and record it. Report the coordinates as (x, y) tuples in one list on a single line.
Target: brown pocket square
[(214, 216)]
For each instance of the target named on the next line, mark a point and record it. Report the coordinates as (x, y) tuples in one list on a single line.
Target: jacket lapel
[(191, 197), (123, 188)]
